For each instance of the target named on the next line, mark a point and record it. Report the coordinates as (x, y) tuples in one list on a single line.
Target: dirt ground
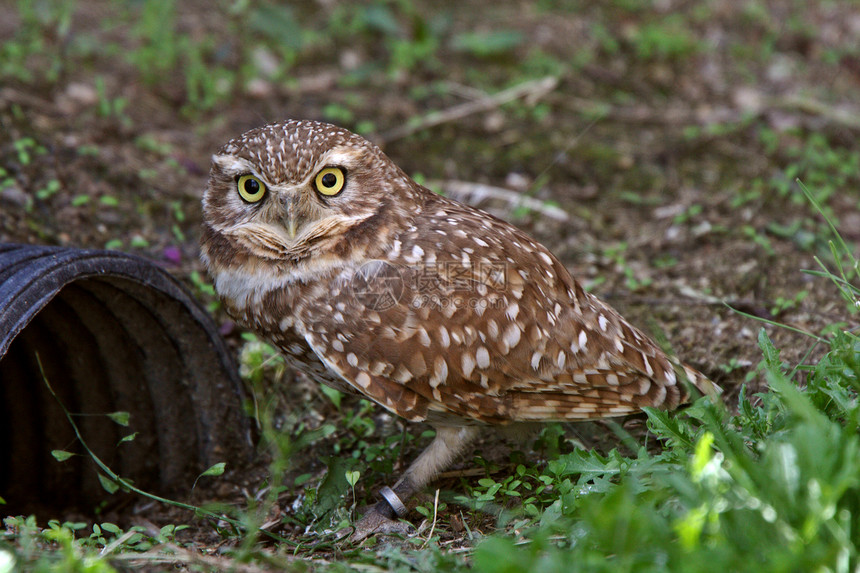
[(669, 135)]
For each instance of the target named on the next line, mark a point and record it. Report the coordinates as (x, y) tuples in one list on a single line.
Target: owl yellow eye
[(330, 181), (250, 188)]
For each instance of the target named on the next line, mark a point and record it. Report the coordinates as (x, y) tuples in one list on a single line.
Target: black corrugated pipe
[(113, 332)]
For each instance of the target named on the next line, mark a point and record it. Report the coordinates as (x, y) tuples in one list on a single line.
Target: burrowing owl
[(436, 311)]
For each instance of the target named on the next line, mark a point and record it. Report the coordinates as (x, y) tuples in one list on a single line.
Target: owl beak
[(291, 225), (291, 208)]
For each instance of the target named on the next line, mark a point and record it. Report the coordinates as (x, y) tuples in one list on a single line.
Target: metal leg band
[(388, 494)]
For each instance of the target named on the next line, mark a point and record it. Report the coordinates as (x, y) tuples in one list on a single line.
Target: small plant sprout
[(215, 470), (352, 477)]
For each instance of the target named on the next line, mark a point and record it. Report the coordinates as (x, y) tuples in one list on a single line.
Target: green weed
[(37, 53), (6, 179), (49, 190), (618, 255), (488, 44), (667, 39), (25, 148), (109, 107), (411, 39)]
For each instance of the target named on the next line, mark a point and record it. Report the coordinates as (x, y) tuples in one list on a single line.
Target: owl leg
[(450, 442)]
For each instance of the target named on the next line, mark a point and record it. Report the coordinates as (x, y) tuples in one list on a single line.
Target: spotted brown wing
[(468, 318)]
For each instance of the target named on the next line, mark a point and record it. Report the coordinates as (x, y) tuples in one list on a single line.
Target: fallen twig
[(467, 472), (476, 193), (843, 116), (533, 89), (174, 555), (435, 515)]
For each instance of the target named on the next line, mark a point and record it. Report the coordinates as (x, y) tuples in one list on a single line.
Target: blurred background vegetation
[(653, 145)]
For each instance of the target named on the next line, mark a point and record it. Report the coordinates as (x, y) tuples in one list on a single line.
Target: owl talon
[(379, 520)]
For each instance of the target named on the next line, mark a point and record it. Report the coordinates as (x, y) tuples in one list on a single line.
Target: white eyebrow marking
[(234, 165)]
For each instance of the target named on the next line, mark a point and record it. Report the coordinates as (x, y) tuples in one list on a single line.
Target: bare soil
[(668, 166)]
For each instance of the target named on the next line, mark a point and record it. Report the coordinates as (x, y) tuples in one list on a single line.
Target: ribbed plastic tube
[(109, 332)]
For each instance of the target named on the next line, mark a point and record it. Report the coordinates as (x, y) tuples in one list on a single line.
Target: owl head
[(278, 191)]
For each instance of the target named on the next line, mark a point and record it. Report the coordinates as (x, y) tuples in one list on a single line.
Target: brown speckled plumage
[(435, 310)]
